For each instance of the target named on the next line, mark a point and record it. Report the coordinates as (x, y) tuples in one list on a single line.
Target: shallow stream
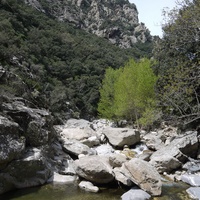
[(171, 191)]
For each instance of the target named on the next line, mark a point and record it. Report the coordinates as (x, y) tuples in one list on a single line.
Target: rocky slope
[(116, 20)]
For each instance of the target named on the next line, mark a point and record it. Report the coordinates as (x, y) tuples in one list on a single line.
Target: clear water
[(71, 192), (61, 192)]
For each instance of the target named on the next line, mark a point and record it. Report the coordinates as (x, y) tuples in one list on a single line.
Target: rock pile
[(95, 152)]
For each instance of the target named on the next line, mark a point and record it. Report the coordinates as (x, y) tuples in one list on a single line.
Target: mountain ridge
[(115, 20)]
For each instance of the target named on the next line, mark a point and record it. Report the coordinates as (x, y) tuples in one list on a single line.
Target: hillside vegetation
[(130, 95), (53, 64), (60, 67)]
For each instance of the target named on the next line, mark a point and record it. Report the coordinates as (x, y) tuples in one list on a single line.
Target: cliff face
[(116, 20)]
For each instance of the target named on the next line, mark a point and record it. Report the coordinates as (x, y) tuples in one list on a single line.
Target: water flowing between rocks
[(72, 192)]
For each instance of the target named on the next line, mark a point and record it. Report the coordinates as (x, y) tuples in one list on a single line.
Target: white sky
[(150, 13)]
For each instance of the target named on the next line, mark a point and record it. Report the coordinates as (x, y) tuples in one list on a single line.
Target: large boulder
[(191, 179), (61, 179), (31, 170), (85, 135), (167, 159), (194, 192), (77, 123), (119, 137), (74, 147), (95, 169), (172, 156), (156, 140), (77, 133), (35, 124), (145, 176), (187, 143)]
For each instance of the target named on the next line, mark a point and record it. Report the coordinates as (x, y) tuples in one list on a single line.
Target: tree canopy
[(128, 93), (178, 56)]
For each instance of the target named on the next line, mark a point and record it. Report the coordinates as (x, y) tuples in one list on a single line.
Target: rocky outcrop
[(35, 124), (12, 145), (115, 20), (31, 170), (172, 156), (62, 159), (25, 133), (119, 137)]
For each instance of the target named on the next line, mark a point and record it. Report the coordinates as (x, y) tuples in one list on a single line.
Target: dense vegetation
[(53, 64), (177, 67), (178, 56), (59, 67)]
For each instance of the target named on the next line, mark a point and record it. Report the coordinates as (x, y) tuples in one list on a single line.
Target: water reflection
[(61, 192), (72, 192)]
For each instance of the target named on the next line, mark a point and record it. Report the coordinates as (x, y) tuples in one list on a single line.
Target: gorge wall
[(116, 20)]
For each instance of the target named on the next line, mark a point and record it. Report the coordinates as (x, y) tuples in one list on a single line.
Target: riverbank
[(92, 154)]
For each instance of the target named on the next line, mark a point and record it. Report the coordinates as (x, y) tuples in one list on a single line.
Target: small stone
[(88, 186)]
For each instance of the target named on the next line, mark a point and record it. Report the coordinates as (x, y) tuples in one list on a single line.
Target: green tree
[(128, 93), (134, 91), (178, 56), (107, 91)]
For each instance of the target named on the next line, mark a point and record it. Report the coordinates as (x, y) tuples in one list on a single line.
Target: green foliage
[(107, 91), (178, 56), (52, 56), (128, 93)]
